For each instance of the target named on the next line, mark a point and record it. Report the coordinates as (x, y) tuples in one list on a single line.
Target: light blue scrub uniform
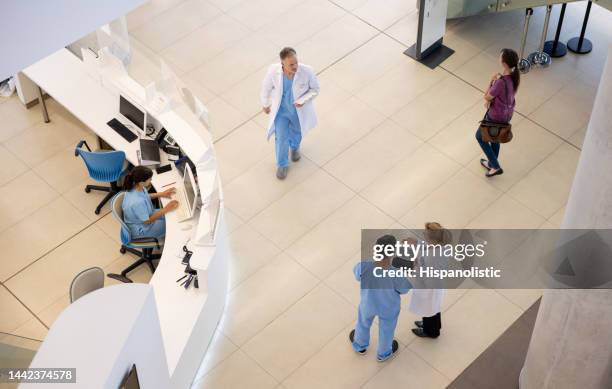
[(286, 125), (379, 297), (137, 208)]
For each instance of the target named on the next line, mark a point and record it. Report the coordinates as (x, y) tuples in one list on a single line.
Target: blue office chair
[(133, 245), (103, 166)]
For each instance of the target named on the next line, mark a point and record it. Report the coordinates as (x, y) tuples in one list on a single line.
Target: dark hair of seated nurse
[(141, 217)]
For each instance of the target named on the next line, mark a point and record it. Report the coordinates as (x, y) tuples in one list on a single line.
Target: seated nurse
[(138, 213)]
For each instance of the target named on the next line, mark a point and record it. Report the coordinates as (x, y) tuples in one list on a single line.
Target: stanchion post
[(555, 48), (580, 44)]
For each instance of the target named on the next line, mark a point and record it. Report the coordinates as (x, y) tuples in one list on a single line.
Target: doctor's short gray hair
[(287, 52)]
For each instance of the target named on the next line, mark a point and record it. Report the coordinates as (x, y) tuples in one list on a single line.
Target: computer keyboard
[(181, 210), (122, 130)]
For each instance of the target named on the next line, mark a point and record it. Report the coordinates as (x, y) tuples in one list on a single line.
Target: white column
[(571, 344)]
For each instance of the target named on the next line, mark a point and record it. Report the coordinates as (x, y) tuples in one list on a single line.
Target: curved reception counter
[(162, 328)]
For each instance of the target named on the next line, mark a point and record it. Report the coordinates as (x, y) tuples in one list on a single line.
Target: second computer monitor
[(132, 112), (191, 189)]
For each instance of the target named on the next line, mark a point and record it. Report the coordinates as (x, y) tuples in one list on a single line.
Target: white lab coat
[(305, 89), (428, 302)]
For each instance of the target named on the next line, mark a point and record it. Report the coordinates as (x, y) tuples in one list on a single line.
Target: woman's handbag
[(495, 132)]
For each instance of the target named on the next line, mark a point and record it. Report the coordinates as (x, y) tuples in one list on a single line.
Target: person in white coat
[(426, 301), (287, 96)]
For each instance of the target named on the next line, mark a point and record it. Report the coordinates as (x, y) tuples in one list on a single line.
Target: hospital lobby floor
[(394, 148)]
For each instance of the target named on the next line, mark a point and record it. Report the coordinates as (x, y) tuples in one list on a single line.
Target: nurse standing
[(286, 95), (139, 215), (427, 303)]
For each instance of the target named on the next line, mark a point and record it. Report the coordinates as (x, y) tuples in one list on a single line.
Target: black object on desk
[(122, 130), (163, 169)]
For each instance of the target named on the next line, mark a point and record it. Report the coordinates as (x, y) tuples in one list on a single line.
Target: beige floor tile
[(399, 86), (349, 5), (10, 166), (22, 196), (240, 197), (202, 92), (457, 140), (49, 314), (244, 96), (408, 369), (464, 51), (87, 202), (405, 29), (236, 372), (337, 366), (343, 281), (232, 221), (301, 209), (219, 349), (464, 188), (161, 31), (204, 43), (110, 226), (242, 149), (327, 246), (335, 41), (546, 188), (257, 13), (478, 70), (339, 129), (226, 5), (410, 181), (383, 13), (578, 138), (301, 22), (236, 63), (147, 11), (14, 314), (530, 146), (425, 116), (44, 140), (250, 253), (524, 298), (505, 212), (317, 318), (557, 218), (469, 327), (262, 297), (366, 63), (32, 329), (16, 118), (38, 234), (48, 279), (377, 152), (225, 119), (63, 170)]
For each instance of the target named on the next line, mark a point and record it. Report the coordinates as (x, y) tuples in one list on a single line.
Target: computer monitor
[(131, 380), (132, 112), (191, 189)]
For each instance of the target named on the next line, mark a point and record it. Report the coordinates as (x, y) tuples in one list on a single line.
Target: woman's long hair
[(511, 58), (137, 175)]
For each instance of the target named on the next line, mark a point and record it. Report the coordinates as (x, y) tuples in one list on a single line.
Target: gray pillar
[(571, 344)]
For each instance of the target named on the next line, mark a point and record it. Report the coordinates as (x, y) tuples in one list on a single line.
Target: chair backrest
[(116, 208), (104, 166), (86, 281)]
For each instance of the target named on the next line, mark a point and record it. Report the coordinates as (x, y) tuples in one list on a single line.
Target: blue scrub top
[(137, 208), (286, 107), (380, 295)]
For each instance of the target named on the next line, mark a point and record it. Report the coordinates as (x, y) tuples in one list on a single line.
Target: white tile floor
[(394, 148)]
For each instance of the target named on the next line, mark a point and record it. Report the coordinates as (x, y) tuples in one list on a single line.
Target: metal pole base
[(524, 66), (574, 45), (541, 60), (559, 52)]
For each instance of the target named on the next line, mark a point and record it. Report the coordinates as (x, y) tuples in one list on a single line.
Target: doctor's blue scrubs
[(138, 208), (286, 125), (379, 297)]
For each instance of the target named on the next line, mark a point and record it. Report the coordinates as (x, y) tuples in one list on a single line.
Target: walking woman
[(499, 100)]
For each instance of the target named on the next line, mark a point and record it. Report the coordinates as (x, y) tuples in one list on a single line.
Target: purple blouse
[(502, 105)]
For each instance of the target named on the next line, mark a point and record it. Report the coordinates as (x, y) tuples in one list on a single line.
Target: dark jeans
[(490, 149), (432, 325)]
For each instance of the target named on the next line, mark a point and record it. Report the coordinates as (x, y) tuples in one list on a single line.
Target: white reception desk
[(187, 318)]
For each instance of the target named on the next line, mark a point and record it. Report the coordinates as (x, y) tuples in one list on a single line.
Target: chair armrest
[(147, 240), (79, 145)]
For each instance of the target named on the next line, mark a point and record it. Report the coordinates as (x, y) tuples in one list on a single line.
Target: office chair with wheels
[(103, 166), (86, 281), (133, 245)]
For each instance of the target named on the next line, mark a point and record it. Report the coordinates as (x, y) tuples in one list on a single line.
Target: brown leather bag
[(496, 132)]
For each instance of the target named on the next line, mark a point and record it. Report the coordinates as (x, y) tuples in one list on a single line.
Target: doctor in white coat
[(287, 96), (427, 303)]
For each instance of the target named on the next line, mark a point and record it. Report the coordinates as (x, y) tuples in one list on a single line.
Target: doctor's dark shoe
[(419, 323), (351, 338), (295, 155), (394, 348), (281, 173), (421, 333)]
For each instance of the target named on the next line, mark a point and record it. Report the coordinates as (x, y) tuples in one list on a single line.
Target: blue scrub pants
[(386, 331), (155, 230), (287, 133)]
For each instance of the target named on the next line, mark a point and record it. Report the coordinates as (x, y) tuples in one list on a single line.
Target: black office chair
[(103, 166)]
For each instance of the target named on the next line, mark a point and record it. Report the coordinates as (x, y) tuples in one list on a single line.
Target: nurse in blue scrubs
[(141, 217), (380, 296)]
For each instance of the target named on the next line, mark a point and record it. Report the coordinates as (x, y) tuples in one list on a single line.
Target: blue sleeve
[(357, 271)]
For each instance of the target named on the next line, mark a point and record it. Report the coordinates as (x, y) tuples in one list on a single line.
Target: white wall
[(32, 29)]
